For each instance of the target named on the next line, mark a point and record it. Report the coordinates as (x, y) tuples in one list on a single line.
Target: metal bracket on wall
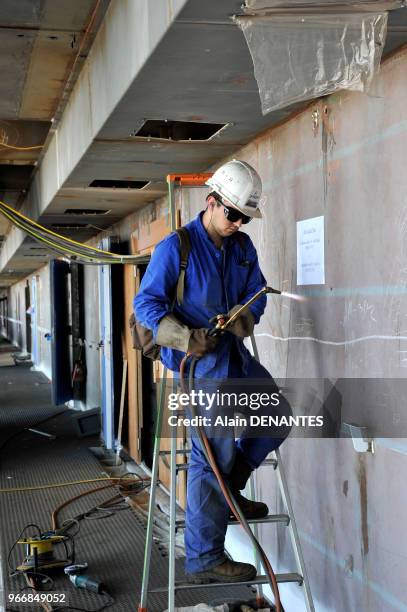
[(362, 443)]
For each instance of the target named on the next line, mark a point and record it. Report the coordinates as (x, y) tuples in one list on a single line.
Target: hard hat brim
[(253, 213)]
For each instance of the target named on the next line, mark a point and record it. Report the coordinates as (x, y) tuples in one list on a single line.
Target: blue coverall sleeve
[(255, 282), (157, 288)]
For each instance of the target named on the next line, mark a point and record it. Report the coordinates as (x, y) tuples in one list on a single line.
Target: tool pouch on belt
[(143, 336), (143, 339)]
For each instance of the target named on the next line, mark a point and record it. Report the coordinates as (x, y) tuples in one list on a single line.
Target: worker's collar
[(204, 234)]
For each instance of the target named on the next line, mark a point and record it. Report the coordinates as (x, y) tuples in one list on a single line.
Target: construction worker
[(222, 272)]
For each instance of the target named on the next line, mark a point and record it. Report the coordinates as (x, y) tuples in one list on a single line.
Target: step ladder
[(300, 576)]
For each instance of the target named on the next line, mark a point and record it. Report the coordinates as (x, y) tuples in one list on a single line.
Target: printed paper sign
[(310, 252)]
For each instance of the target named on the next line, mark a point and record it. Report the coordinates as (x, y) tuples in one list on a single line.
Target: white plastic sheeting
[(301, 57)]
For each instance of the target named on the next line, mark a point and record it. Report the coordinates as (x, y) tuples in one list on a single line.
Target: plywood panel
[(149, 235), (144, 240), (134, 366)]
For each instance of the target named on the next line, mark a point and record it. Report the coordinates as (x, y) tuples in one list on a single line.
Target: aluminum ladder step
[(180, 586), (182, 467), (270, 518), (187, 451)]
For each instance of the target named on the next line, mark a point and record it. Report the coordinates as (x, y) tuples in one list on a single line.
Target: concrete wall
[(40, 320), (42, 326), (349, 166)]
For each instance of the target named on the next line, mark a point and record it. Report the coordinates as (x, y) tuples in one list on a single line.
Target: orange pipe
[(222, 484), (189, 180)]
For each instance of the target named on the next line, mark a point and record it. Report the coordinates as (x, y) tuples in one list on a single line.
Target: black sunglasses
[(232, 214)]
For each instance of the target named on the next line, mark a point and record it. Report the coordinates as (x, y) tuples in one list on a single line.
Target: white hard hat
[(239, 184)]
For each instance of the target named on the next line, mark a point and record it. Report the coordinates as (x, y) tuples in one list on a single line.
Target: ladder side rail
[(295, 539), (255, 529), (292, 526), (254, 347), (173, 511)]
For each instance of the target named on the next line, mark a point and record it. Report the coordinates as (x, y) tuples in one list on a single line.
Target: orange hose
[(225, 492), (72, 499), (116, 481)]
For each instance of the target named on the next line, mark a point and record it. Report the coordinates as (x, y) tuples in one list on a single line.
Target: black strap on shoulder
[(185, 248), (241, 239)]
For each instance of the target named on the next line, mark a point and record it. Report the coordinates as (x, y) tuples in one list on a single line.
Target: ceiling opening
[(178, 130), (14, 177), (114, 184), (86, 211)]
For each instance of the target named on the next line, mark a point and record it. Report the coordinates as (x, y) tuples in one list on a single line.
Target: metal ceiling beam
[(183, 60)]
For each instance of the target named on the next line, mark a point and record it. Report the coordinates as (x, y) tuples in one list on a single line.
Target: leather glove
[(243, 326), (174, 334), (200, 343)]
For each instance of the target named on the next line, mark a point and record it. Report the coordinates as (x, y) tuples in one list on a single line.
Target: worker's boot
[(238, 478), (251, 509), (228, 571)]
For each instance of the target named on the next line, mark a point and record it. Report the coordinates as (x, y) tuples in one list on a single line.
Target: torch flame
[(293, 296)]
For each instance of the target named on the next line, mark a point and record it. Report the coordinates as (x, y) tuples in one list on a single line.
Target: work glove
[(174, 334), (243, 325), (201, 343)]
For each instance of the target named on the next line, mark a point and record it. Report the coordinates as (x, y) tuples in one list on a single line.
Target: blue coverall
[(215, 281)]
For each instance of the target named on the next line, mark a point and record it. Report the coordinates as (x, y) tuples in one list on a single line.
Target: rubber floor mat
[(112, 544)]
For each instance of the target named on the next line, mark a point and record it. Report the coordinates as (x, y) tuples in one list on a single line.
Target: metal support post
[(171, 204)]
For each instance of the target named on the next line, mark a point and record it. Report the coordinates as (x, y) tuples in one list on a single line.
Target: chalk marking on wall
[(330, 342), (385, 290), (377, 588), (392, 444), (396, 129)]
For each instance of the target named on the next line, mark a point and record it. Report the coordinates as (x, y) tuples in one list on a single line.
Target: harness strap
[(185, 248)]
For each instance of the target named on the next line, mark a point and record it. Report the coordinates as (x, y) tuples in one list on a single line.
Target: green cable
[(59, 244), (32, 232)]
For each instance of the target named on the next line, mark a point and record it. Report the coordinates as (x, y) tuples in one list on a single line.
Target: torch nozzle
[(272, 290)]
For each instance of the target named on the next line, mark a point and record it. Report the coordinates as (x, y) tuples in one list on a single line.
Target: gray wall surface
[(16, 300), (350, 168)]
